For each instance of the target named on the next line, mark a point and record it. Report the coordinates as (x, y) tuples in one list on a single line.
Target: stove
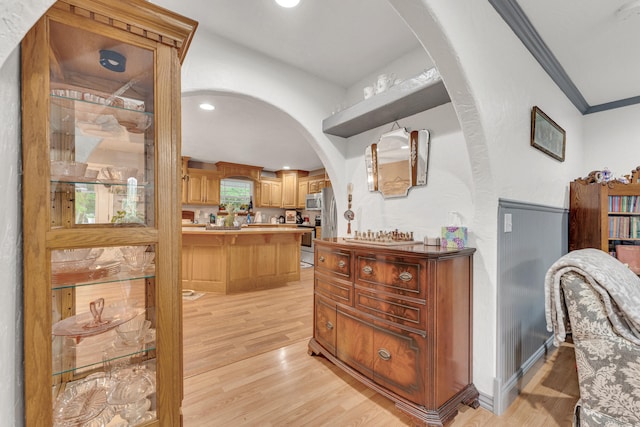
[(306, 244)]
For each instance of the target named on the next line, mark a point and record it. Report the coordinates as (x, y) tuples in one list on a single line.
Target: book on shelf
[(624, 227), (629, 204)]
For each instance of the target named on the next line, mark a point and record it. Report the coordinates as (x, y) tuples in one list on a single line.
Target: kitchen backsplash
[(202, 213)]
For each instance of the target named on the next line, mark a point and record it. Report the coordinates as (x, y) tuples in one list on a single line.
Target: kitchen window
[(236, 192)]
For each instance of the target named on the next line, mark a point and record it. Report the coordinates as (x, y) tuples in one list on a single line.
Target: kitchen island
[(229, 261)]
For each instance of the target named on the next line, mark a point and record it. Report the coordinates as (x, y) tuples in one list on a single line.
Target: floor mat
[(191, 295)]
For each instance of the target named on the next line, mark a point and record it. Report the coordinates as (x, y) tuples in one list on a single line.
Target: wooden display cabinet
[(101, 216), (604, 214), (399, 320)]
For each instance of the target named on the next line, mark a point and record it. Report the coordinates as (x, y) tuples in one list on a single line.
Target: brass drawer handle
[(405, 276), (329, 325), (341, 264), (367, 269), (321, 259), (384, 354)]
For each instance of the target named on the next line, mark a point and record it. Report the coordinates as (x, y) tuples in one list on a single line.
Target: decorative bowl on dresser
[(399, 320)]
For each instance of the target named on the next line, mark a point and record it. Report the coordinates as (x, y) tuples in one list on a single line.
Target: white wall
[(11, 339), (493, 82), (612, 139), (215, 63)]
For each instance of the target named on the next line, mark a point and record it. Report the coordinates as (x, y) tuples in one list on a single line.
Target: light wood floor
[(246, 364)]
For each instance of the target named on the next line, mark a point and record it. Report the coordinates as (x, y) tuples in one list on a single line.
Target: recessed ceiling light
[(286, 167), (206, 106), (288, 3)]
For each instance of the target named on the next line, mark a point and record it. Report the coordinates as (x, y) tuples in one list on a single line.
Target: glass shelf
[(92, 353), (122, 276), (96, 119)]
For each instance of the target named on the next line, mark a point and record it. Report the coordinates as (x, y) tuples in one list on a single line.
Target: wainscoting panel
[(538, 236)]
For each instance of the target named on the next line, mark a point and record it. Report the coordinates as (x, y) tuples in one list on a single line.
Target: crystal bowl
[(68, 168), (118, 173), (66, 255), (134, 331), (73, 260), (136, 257), (132, 412), (91, 173)]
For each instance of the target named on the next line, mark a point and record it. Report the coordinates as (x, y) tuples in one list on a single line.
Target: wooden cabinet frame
[(142, 24)]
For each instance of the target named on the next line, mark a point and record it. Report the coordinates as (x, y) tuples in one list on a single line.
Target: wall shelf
[(412, 96)]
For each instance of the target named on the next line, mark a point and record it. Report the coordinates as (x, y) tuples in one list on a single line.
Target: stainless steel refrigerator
[(329, 214)]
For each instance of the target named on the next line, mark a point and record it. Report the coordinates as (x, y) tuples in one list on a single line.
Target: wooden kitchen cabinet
[(290, 187), (303, 190), (316, 184), (399, 320), (270, 193), (101, 219), (203, 187)]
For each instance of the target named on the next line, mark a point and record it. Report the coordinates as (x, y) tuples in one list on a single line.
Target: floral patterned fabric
[(599, 299), (608, 364)]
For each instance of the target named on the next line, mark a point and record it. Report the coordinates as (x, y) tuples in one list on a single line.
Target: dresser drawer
[(411, 314), (325, 324), (334, 289), (404, 276), (334, 262), (399, 361)]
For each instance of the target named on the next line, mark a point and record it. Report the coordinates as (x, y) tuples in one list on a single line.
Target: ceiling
[(591, 54)]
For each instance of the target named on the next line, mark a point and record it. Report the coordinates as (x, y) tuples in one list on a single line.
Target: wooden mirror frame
[(397, 162)]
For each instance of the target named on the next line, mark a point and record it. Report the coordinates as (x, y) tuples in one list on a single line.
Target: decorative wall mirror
[(397, 162)]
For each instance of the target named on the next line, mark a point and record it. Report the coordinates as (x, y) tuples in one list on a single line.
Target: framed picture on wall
[(546, 135)]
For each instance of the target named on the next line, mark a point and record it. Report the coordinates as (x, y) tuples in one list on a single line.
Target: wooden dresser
[(398, 319)]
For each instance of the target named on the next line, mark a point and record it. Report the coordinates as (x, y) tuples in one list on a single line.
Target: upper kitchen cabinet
[(101, 213), (290, 187), (203, 187), (419, 93), (270, 195)]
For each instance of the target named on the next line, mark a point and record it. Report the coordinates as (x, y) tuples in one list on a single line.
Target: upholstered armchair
[(597, 298)]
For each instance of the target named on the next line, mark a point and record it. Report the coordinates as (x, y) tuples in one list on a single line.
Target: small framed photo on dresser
[(546, 135)]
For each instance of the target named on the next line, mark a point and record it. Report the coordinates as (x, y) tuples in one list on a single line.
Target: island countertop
[(247, 230), (247, 259)]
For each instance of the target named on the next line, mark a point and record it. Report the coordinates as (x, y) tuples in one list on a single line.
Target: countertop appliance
[(329, 213), (313, 202)]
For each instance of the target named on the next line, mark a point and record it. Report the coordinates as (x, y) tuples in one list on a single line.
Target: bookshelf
[(604, 214)]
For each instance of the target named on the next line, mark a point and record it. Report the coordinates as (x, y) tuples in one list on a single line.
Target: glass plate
[(131, 384), (81, 325), (84, 404), (98, 270)]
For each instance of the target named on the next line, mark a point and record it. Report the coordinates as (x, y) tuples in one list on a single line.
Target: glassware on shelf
[(134, 412), (85, 403), (134, 332), (99, 319), (131, 385), (73, 260), (68, 169), (137, 258)]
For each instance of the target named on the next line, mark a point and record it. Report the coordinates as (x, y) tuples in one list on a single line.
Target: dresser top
[(417, 248)]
